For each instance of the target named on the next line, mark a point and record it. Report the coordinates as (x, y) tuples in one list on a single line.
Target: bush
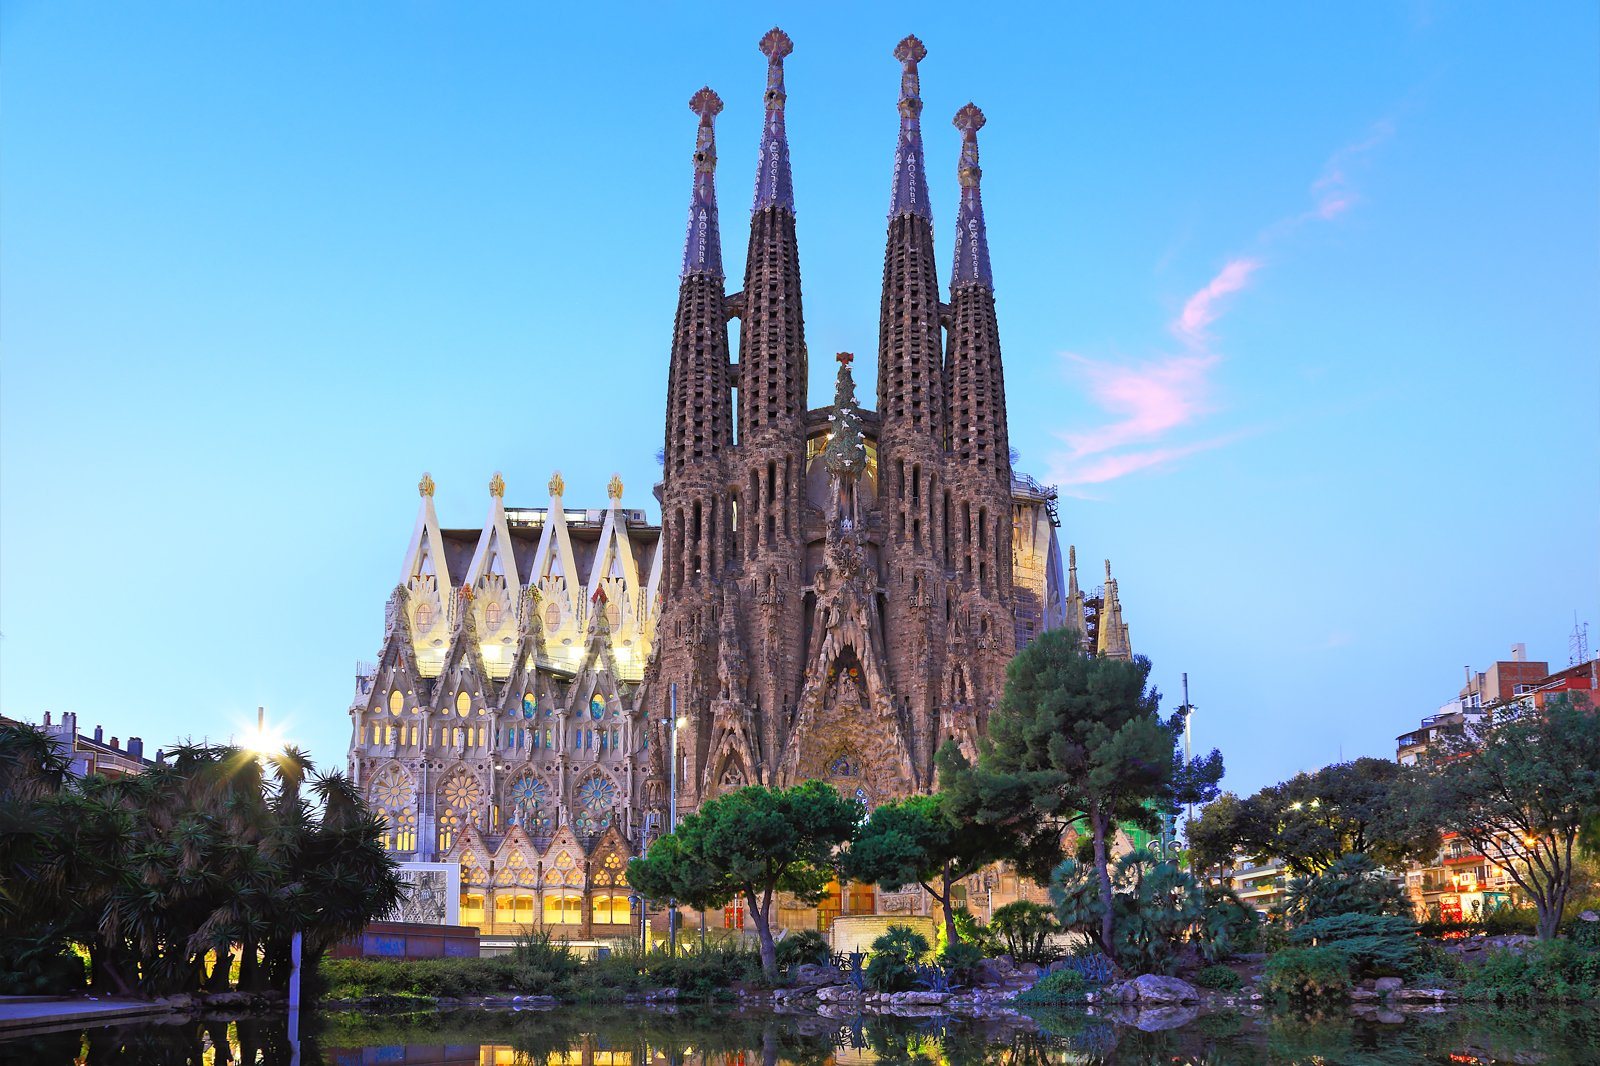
[(1434, 961), (1059, 986), (1025, 928), (1220, 978), (971, 931), (806, 946), (1376, 945), (1557, 970), (1308, 973), (892, 964), (961, 960), (1352, 885), (445, 978), (541, 966)]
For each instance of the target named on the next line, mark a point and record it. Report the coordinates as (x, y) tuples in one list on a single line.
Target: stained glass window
[(530, 704), (597, 706), (596, 797)]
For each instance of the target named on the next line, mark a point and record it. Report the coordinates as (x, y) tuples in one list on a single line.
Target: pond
[(637, 1036)]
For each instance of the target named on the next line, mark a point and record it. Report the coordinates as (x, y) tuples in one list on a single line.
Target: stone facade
[(832, 592)]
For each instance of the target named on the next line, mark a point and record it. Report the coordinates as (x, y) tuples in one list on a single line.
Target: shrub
[(1065, 985), (806, 946), (1376, 945), (961, 960), (1308, 973), (541, 966), (895, 954), (1218, 977), (1434, 961), (1556, 970), (1025, 928), (1352, 885), (971, 931)]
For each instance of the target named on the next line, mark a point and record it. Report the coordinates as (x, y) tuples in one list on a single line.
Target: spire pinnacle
[(774, 180), (425, 486), (972, 239), (702, 251), (910, 195), (497, 485)]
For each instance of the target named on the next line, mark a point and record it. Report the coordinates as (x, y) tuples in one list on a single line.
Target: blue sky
[(1298, 306)]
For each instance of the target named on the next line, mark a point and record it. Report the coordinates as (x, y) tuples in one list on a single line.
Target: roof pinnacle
[(972, 239), (910, 196), (558, 485), (425, 486), (497, 485), (774, 180), (702, 251), (614, 487)]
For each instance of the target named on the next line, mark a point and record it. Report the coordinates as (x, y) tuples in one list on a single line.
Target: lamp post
[(672, 725)]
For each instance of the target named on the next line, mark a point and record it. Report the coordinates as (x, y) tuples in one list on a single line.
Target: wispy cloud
[(1153, 400)]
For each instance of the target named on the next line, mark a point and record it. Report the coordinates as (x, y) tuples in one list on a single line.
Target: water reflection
[(637, 1037)]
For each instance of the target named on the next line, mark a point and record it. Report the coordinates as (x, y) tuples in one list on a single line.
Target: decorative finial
[(969, 120), (708, 105), (846, 357), (558, 487), (702, 250), (1072, 556), (774, 180), (910, 195), (425, 486), (497, 485), (614, 487), (1108, 571), (972, 241)]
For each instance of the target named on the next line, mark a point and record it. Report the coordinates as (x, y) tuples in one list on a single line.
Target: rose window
[(391, 791), (596, 797), (527, 800)]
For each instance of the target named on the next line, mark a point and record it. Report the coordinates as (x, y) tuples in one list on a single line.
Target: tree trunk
[(1103, 874), (769, 950), (949, 911), (221, 970)]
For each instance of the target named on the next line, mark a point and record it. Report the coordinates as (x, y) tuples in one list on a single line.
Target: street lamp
[(673, 724)]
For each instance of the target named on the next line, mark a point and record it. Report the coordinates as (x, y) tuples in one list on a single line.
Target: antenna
[(1578, 644)]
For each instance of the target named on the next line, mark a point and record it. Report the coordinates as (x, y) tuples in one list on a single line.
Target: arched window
[(422, 619), (563, 908), (397, 701), (491, 616), (530, 705), (597, 706), (463, 704), (552, 616)]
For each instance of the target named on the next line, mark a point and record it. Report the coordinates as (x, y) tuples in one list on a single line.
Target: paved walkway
[(32, 1012)]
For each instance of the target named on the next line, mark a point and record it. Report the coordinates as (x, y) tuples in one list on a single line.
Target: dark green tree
[(1521, 787), (1372, 807), (917, 841), (752, 843), (1078, 742)]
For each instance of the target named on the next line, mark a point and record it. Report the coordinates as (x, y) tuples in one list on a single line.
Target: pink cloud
[(1151, 399), (1200, 310)]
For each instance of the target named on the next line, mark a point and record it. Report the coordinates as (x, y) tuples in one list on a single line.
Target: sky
[(1298, 306)]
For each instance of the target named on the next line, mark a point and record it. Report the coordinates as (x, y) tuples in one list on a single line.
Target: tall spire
[(1113, 643), (702, 251), (910, 195), (972, 242), (774, 183), (1075, 617)]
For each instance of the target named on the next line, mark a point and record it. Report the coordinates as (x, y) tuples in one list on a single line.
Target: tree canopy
[(154, 873), (752, 843), (1078, 741), (1372, 807), (1521, 787)]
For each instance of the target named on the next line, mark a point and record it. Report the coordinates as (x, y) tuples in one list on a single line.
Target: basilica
[(831, 592)]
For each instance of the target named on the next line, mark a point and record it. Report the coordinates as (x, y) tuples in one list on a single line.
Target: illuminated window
[(491, 616), (552, 616), (422, 620), (530, 704), (471, 908), (612, 910), (463, 704), (597, 706), (397, 702), (377, 735), (563, 908)]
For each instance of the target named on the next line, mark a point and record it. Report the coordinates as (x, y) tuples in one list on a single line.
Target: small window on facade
[(463, 704), (422, 620), (552, 616), (491, 616), (397, 701)]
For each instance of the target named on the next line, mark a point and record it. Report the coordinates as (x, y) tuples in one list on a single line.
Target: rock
[(1156, 1019), (1433, 994), (919, 998), (836, 993), (811, 975), (1153, 988), (1389, 1017), (1588, 916), (1363, 995), (1387, 984), (1029, 970)]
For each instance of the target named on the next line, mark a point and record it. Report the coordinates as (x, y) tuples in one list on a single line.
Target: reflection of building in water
[(833, 592)]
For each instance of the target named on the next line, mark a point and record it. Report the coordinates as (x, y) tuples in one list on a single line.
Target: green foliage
[(1435, 962), (1376, 945), (1076, 741), (971, 931), (1025, 929), (1159, 909), (1218, 977), (1554, 970), (448, 978), (917, 841), (1367, 806), (1526, 787), (807, 945), (1308, 973), (542, 966), (1352, 884), (752, 843), (1055, 988), (891, 967), (215, 850), (962, 960)]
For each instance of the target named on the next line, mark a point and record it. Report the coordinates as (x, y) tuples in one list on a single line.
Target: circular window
[(463, 704)]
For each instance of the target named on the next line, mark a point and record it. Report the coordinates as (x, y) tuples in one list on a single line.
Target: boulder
[(1363, 995), (923, 999), (836, 993), (1426, 994), (1384, 985), (1153, 988), (811, 975)]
